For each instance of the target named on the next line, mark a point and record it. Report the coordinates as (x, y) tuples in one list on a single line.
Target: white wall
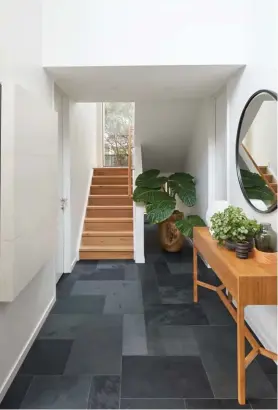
[(221, 146), (197, 155), (261, 73), (82, 146), (20, 61), (163, 129), (157, 32)]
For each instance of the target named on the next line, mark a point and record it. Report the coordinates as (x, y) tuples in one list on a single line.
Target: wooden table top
[(260, 280)]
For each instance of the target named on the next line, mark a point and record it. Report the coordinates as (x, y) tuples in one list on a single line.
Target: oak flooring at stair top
[(110, 171), (116, 200), (109, 190)]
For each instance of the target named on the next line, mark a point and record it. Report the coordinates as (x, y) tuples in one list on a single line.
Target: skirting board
[(9, 379), (73, 263)]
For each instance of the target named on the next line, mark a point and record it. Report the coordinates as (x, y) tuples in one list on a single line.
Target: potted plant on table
[(158, 194), (233, 229)]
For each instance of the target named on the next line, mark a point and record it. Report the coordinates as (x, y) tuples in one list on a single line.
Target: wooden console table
[(247, 282)]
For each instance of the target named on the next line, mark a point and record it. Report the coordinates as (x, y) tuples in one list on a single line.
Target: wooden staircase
[(108, 225), (269, 178)]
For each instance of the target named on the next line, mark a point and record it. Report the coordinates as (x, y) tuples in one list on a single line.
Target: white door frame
[(65, 169)]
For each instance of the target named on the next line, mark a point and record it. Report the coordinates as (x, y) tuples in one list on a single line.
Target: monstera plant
[(158, 194)]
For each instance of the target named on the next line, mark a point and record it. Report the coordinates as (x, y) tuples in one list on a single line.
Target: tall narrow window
[(118, 118)]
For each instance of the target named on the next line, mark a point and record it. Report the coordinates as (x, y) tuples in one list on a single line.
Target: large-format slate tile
[(215, 310), (131, 272), (84, 267), (218, 349), (181, 268), (174, 295), (105, 274), (152, 404), (161, 268), (134, 335), (65, 285), (113, 264), (264, 403), (79, 304), (97, 350), (16, 392), (47, 357), (64, 326), (100, 287), (268, 365), (214, 404), (149, 284), (58, 392), (126, 299), (178, 281), (105, 391), (164, 377), (183, 314), (171, 341)]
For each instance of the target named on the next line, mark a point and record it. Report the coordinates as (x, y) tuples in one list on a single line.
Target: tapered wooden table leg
[(195, 272), (241, 380)]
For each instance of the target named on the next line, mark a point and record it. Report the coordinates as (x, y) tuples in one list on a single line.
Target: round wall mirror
[(256, 151)]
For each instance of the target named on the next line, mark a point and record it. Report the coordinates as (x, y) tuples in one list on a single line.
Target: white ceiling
[(135, 83)]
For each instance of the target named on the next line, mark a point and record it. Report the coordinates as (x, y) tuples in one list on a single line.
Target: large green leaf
[(145, 176), (153, 182), (186, 192), (185, 226), (159, 212), (148, 196), (181, 177), (255, 186), (262, 193)]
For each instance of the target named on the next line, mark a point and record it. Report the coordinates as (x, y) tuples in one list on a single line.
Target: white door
[(59, 260)]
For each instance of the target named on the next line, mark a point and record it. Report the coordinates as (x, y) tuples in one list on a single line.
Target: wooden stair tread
[(114, 248), (108, 185), (108, 196), (107, 207), (113, 219), (107, 233)]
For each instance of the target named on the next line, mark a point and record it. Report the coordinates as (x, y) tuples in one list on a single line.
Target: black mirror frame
[(274, 206)]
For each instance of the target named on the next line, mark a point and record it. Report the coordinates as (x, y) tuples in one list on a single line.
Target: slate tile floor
[(123, 335)]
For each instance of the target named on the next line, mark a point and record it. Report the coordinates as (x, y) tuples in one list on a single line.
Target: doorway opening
[(118, 120)]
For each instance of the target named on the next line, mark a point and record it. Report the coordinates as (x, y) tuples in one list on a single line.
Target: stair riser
[(99, 180), (107, 240), (269, 178), (97, 255), (110, 201), (110, 171), (109, 213), (108, 226), (106, 190), (274, 187)]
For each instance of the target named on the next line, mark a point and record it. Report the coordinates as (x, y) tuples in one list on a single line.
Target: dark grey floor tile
[(268, 365), (164, 377), (84, 267), (65, 285), (131, 272), (161, 268), (64, 326), (173, 295), (264, 404), (178, 281), (125, 299), (134, 335), (100, 287), (113, 264), (105, 391), (16, 392), (97, 350), (215, 310), (152, 404), (105, 274), (183, 314), (47, 357), (182, 268), (273, 380), (58, 392), (149, 285), (79, 304), (171, 341), (218, 348), (214, 404)]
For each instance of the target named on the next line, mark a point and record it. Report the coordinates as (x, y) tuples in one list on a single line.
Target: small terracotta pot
[(242, 250), (171, 239)]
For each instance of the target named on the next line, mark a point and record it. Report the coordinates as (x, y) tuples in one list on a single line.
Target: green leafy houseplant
[(233, 225), (255, 186), (158, 193)]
